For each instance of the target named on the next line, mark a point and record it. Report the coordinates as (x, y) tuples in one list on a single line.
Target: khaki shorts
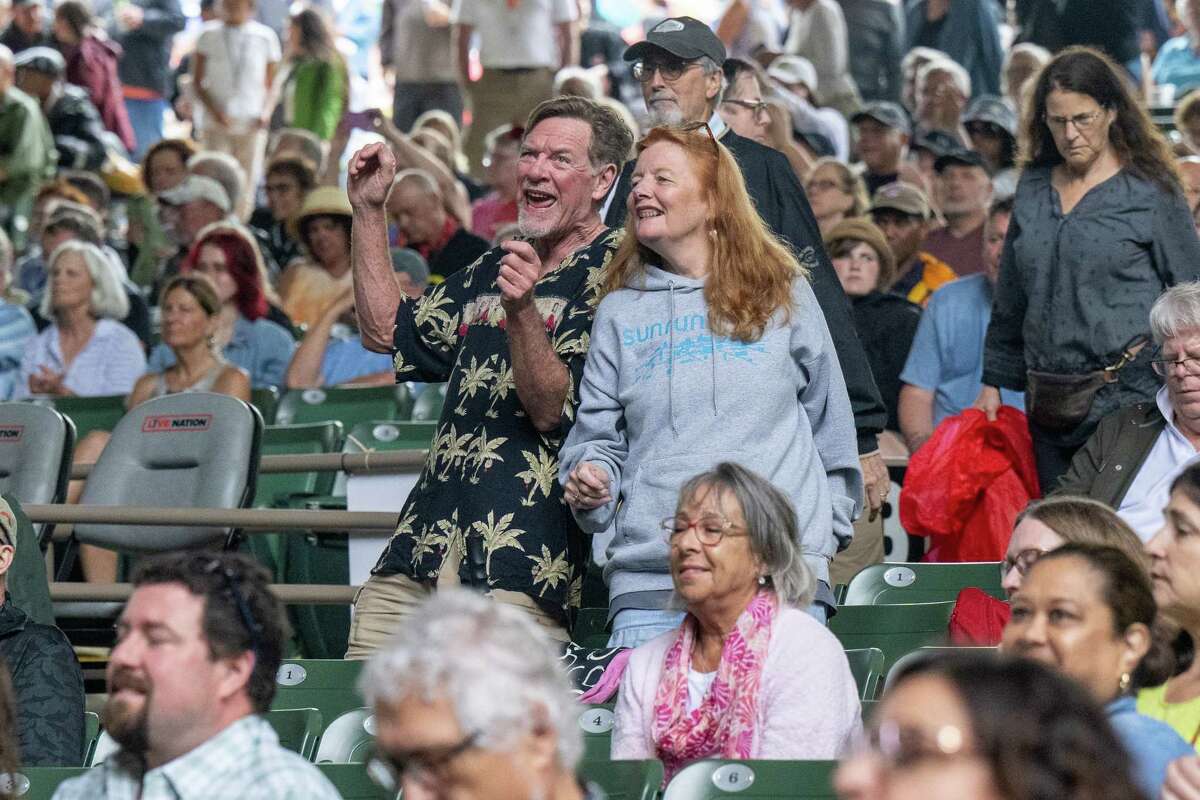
[(865, 549), (385, 601)]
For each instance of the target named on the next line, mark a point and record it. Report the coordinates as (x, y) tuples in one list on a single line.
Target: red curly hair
[(242, 264)]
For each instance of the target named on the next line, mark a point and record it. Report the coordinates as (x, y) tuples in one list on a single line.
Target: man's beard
[(126, 727), (533, 228), (664, 114)]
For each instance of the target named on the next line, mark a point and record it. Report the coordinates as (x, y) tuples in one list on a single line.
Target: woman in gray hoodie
[(708, 346)]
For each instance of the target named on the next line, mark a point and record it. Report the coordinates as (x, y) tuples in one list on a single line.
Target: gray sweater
[(662, 400)]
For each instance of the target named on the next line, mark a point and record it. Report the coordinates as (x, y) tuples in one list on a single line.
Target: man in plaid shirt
[(193, 671)]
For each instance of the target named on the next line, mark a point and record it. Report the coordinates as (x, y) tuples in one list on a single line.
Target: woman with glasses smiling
[(748, 674), (1099, 229)]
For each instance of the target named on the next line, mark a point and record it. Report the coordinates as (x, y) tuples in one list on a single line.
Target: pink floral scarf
[(724, 724)]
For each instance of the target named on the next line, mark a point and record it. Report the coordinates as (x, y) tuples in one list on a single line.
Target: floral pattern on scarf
[(724, 724)]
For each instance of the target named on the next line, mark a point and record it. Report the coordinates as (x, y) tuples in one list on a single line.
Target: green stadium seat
[(428, 406), (37, 783), (91, 413), (894, 629), (624, 780), (330, 685), (353, 782), (591, 628), (753, 780), (866, 664), (105, 747), (348, 739), (922, 653), (348, 405), (886, 584), (298, 729), (266, 400), (596, 723), (303, 439), (91, 735)]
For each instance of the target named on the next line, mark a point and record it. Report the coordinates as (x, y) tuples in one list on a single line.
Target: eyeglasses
[(670, 70), (710, 529), (233, 585), (905, 747), (1022, 562), (822, 185), (756, 108), (1082, 122), (423, 766), (1164, 366)]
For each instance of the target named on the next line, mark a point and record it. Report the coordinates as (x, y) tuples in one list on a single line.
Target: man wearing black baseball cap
[(881, 134), (964, 192), (679, 68)]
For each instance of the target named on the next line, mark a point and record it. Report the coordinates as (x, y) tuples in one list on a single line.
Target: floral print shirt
[(489, 486)]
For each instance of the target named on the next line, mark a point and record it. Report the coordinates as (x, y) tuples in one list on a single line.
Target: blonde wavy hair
[(751, 272)]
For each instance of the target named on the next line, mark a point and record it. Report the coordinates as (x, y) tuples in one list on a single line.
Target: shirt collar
[(717, 125), (1163, 400), (236, 739)]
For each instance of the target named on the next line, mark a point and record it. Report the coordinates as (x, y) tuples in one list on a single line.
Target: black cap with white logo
[(684, 37)]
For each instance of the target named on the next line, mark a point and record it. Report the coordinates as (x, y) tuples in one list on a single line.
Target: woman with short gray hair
[(748, 674), (85, 351)]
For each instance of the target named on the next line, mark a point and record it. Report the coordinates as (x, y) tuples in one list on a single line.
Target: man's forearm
[(916, 416), (541, 379), (305, 370), (376, 293)]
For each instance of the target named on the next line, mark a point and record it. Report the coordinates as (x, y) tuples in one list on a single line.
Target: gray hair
[(918, 54), (419, 178), (611, 138), (961, 77), (225, 170), (108, 296), (1176, 310), (490, 660), (771, 524)]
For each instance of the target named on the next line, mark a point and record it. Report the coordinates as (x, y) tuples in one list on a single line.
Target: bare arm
[(462, 43), (916, 415), (234, 382), (305, 369), (376, 293), (541, 379), (385, 378), (198, 67), (411, 155), (141, 390)]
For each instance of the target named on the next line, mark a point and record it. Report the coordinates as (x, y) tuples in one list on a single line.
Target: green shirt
[(27, 157)]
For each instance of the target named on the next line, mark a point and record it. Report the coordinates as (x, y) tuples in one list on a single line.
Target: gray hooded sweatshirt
[(663, 399)]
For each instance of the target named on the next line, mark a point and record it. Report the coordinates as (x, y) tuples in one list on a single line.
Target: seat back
[(304, 439), (596, 723), (428, 406), (753, 780), (894, 629), (349, 405), (105, 747), (330, 685), (884, 584), (266, 400), (298, 729), (624, 780), (866, 664), (37, 783), (91, 735), (384, 436), (92, 413), (922, 653), (348, 739), (36, 443), (187, 450), (354, 783)]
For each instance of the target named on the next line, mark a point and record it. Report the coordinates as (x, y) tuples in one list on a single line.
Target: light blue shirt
[(947, 351), (16, 329), (262, 348), (109, 364), (1178, 64), (346, 359), (1152, 744)]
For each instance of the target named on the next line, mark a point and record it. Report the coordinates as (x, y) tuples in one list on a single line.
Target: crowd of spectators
[(686, 282)]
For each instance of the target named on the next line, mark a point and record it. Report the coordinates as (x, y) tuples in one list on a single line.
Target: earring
[(762, 580), (1126, 680)]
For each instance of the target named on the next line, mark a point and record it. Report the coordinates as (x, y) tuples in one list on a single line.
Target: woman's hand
[(46, 381), (587, 487), (988, 402)]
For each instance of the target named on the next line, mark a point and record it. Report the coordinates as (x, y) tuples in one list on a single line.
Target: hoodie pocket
[(654, 496)]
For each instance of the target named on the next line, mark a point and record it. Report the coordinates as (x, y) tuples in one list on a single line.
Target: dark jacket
[(463, 249), (148, 49), (1104, 468), (48, 687), (875, 30), (886, 326), (15, 39), (783, 205), (77, 129)]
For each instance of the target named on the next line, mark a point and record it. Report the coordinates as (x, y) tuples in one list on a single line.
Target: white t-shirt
[(235, 69), (515, 37), (698, 685)]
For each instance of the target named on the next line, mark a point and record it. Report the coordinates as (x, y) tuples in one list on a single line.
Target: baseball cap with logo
[(885, 113), (902, 197), (683, 37), (198, 187)]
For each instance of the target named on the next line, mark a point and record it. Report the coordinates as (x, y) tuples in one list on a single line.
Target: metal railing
[(397, 461), (288, 593)]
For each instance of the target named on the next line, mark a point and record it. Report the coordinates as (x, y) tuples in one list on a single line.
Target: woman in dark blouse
[(1100, 228)]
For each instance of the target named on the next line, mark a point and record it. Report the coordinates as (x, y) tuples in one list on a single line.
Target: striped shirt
[(16, 329), (243, 761), (110, 363)]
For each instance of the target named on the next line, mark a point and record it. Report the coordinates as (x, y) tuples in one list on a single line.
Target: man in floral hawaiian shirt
[(508, 335)]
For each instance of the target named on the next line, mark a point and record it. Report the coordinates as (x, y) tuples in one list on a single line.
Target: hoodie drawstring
[(671, 355)]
